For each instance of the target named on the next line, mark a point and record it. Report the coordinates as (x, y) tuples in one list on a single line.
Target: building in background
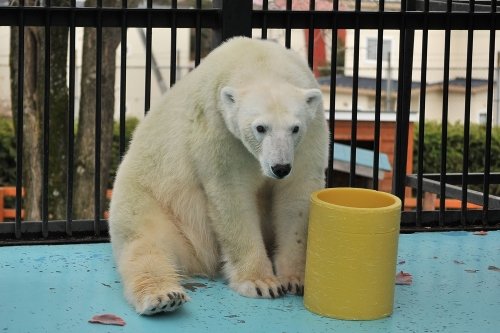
[(435, 73), (161, 51)]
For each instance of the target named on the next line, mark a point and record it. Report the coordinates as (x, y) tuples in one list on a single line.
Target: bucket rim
[(315, 198)]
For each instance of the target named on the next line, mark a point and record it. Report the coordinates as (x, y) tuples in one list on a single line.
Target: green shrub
[(455, 151), (8, 149), (130, 126), (7, 152)]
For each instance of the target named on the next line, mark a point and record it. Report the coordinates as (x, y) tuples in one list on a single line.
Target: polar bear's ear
[(228, 96), (314, 98), (228, 99)]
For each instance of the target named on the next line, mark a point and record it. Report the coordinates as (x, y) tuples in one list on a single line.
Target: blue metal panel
[(364, 157)]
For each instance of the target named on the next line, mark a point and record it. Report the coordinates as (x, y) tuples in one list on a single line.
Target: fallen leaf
[(458, 262), (494, 268), (107, 319), (403, 278), (472, 270), (480, 233)]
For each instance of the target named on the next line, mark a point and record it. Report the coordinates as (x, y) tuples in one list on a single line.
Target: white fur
[(196, 188)]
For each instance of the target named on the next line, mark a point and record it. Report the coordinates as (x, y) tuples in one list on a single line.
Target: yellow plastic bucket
[(351, 253)]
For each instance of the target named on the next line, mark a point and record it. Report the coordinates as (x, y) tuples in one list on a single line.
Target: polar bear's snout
[(276, 153), (281, 170)]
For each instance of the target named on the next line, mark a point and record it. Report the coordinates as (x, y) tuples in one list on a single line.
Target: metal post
[(236, 19), (403, 106), (154, 64), (388, 83), (497, 84)]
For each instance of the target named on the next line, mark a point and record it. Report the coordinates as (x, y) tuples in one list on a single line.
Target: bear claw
[(294, 285), (268, 287), (165, 303)]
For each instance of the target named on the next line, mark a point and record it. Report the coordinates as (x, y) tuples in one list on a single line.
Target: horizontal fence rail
[(274, 19), (224, 19)]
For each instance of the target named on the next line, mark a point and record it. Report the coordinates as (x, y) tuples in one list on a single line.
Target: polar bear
[(218, 176)]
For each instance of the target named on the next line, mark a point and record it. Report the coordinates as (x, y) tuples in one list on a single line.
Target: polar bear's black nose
[(281, 170)]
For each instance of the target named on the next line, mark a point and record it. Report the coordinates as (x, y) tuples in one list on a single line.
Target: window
[(371, 49), (482, 118)]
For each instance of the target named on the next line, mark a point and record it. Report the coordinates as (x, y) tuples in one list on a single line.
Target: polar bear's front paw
[(162, 302), (268, 287), (293, 284)]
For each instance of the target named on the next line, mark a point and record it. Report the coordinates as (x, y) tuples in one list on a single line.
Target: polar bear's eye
[(260, 129), (295, 129)]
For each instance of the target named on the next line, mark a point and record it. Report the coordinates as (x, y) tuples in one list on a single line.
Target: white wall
[(136, 76), (135, 67), (435, 63), (435, 54), (161, 51), (4, 71), (367, 67), (297, 40)]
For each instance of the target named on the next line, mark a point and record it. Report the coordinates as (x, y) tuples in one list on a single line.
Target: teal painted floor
[(59, 288)]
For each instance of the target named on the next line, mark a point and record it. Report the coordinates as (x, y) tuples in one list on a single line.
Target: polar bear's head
[(270, 120)]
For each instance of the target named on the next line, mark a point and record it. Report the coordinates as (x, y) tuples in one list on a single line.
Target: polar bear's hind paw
[(296, 289), (262, 288), (294, 284), (163, 303)]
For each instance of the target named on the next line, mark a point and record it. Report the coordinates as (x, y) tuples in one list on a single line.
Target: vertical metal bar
[(310, 44), (265, 7), (333, 95), (19, 124), (468, 86), (149, 37), (97, 162), (173, 44), (404, 98), (197, 47), (123, 78), (355, 82), (378, 97), (489, 115), (236, 19), (421, 123), (288, 29), (444, 120), (46, 128), (71, 122), (399, 169)]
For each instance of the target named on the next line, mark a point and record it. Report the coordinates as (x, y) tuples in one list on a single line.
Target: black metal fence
[(230, 18)]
